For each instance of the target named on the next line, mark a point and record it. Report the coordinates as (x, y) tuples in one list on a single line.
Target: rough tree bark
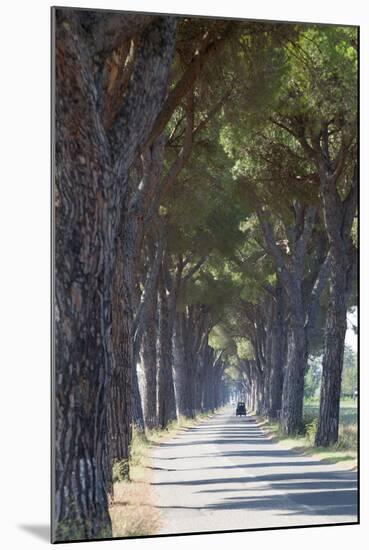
[(291, 273), (335, 332), (247, 382), (257, 319), (149, 322), (268, 315), (137, 410), (120, 402), (91, 168), (333, 167), (293, 384), (191, 330), (166, 395), (278, 353), (149, 362), (208, 362), (183, 369), (218, 370), (339, 217)]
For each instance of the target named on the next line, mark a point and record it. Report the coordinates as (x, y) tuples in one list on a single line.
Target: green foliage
[(317, 67), (218, 338), (257, 65), (232, 370), (313, 378), (311, 426), (275, 83), (202, 211), (323, 67), (120, 470), (244, 348), (350, 372)]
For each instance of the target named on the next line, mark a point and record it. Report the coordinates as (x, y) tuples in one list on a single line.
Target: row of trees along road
[(205, 211)]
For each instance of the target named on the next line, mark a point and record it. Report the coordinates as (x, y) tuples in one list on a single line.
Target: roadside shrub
[(308, 423), (347, 437), (311, 428)]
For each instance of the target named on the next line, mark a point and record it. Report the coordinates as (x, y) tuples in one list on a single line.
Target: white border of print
[(25, 268)]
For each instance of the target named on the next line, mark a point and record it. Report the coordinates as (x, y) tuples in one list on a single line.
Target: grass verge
[(133, 512), (343, 452)]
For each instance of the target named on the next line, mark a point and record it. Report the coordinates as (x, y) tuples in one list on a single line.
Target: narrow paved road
[(225, 474)]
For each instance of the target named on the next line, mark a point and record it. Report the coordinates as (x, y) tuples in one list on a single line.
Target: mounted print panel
[(205, 222)]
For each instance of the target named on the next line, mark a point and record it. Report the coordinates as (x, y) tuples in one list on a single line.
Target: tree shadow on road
[(338, 502), (302, 477), (281, 480), (322, 503)]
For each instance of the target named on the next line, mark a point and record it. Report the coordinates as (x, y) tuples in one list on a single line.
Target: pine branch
[(273, 248), (212, 42)]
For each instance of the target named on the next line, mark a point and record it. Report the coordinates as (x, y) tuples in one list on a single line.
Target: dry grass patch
[(133, 512)]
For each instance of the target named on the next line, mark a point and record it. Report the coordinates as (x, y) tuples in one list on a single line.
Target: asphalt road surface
[(225, 474)]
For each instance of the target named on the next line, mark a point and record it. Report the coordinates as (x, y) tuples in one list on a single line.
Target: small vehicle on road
[(241, 409)]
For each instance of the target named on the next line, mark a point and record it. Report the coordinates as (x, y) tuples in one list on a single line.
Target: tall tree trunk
[(179, 364), (208, 378), (83, 267), (185, 375), (335, 331), (247, 384), (166, 395), (91, 172), (120, 403), (278, 354), (137, 411), (254, 395), (291, 275), (268, 358), (293, 386), (258, 370), (259, 387), (333, 167), (199, 387), (218, 370), (146, 328), (188, 386), (338, 221), (149, 362)]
